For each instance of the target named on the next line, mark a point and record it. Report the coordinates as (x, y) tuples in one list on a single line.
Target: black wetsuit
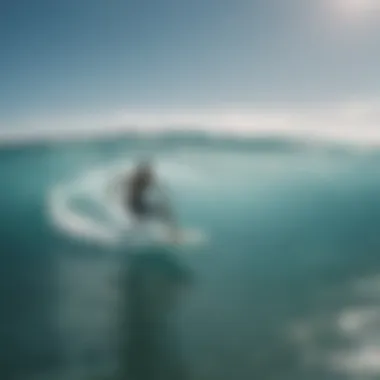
[(137, 202)]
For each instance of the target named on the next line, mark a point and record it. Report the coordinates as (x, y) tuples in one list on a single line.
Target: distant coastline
[(271, 141)]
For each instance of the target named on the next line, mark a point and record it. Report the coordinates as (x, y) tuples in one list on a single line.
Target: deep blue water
[(285, 288)]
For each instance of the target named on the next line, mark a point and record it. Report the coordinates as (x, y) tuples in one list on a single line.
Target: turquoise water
[(285, 286)]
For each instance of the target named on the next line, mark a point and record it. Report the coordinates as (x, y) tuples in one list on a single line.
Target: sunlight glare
[(356, 10)]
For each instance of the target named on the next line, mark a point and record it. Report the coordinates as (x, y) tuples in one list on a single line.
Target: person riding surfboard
[(136, 200)]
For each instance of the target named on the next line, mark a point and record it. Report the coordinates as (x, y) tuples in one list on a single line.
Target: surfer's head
[(145, 167)]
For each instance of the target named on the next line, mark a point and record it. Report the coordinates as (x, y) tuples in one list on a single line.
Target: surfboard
[(159, 234), (183, 237)]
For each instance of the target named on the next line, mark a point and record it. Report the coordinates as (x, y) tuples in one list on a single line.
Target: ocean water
[(285, 285)]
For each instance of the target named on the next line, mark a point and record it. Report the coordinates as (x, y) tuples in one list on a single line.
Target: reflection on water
[(342, 334), (154, 283), (116, 316), (132, 316), (86, 313)]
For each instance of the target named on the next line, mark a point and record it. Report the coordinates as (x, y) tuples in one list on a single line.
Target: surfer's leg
[(144, 211), (161, 212), (164, 214), (139, 213)]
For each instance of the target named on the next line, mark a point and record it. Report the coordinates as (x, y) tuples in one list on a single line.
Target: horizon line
[(352, 122)]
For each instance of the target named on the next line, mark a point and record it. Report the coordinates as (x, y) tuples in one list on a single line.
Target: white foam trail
[(74, 224), (94, 187)]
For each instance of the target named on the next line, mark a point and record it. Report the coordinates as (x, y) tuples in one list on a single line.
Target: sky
[(72, 63)]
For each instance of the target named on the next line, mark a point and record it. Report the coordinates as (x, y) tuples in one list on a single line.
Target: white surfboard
[(183, 237), (158, 234)]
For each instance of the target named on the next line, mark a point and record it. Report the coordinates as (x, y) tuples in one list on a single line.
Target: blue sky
[(80, 57)]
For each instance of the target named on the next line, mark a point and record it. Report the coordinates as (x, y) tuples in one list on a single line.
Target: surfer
[(136, 196), (134, 192)]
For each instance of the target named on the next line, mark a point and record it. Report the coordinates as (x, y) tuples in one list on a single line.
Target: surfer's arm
[(164, 194), (116, 183), (163, 191)]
